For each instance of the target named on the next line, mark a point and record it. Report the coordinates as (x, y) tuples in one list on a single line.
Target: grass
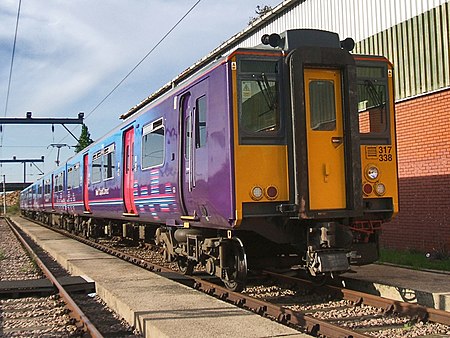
[(415, 260), (13, 210)]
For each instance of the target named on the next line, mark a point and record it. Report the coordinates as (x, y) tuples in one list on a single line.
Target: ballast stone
[(156, 306)]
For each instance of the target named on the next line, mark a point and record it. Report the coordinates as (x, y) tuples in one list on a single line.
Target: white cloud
[(70, 54)]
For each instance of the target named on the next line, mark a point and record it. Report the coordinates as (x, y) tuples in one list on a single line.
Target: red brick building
[(419, 50), (423, 135)]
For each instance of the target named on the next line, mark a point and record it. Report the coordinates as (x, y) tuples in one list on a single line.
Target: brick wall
[(423, 137)]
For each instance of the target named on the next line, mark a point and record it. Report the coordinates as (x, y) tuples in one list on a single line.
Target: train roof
[(195, 70), (287, 40), (377, 58)]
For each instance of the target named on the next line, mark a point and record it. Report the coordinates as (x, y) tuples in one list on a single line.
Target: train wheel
[(237, 272), (185, 265)]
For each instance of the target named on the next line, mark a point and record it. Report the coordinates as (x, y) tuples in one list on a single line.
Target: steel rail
[(70, 303), (282, 315), (403, 308), (285, 316), (312, 325)]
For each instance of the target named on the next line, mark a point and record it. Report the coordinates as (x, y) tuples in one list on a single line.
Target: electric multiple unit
[(278, 155)]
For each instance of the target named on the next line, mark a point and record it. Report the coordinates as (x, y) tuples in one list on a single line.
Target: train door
[(87, 209), (325, 139), (128, 173), (194, 152)]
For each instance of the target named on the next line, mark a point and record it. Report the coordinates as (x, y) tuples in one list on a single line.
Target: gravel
[(35, 317), (46, 316), (363, 318), (366, 319), (14, 262)]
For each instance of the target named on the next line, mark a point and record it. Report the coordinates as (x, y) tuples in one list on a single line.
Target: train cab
[(315, 152)]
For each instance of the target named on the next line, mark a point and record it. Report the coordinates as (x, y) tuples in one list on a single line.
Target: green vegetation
[(85, 139), (13, 209), (416, 260)]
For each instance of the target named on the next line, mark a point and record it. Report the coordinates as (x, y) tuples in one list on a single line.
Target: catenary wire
[(12, 60), (139, 63), (126, 76), (2, 130), (115, 87), (143, 59)]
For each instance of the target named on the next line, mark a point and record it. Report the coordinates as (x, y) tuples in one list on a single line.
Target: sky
[(70, 54)]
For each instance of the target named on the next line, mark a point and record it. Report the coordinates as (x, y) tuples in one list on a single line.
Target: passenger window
[(76, 176), (153, 144), (109, 166), (57, 182), (109, 159), (322, 105), (69, 178), (61, 186), (96, 174), (47, 187), (200, 111), (73, 177), (60, 182)]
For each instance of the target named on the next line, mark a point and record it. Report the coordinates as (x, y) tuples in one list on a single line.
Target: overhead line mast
[(44, 120)]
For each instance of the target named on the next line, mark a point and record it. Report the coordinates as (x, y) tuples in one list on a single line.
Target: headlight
[(380, 189), (256, 193), (372, 172)]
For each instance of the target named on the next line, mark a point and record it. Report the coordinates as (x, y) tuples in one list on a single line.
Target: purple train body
[(156, 190), (230, 150)]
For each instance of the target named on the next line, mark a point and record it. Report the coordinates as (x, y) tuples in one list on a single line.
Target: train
[(282, 155)]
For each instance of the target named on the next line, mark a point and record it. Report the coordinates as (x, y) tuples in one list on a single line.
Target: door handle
[(326, 172), (337, 140)]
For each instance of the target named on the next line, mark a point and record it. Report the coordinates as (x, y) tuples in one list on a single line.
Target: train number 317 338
[(384, 153)]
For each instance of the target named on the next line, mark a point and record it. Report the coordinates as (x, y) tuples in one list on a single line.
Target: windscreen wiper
[(264, 86), (377, 98)]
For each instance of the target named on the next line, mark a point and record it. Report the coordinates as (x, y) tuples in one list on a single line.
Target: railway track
[(40, 299), (366, 314), (326, 311)]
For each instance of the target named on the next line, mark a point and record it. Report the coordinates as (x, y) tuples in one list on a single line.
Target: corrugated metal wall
[(414, 35), (358, 19), (419, 50)]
